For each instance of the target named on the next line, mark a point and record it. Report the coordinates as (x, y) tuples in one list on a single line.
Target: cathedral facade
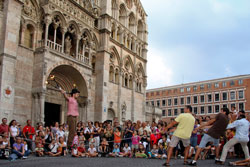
[(96, 46)]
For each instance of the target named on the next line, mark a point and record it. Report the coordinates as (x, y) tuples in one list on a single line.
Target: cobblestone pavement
[(96, 162)]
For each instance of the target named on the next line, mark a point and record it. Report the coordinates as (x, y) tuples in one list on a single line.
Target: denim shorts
[(206, 138)]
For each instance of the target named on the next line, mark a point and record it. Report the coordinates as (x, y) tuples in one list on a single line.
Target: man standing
[(28, 133), (241, 136), (4, 128), (183, 133), (218, 129), (72, 113)]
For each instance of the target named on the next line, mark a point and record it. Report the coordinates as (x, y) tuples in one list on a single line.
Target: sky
[(196, 40)]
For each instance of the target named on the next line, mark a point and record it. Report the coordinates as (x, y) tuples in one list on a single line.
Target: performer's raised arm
[(64, 94)]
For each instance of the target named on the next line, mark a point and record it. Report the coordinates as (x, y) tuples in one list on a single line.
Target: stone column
[(47, 22), (42, 106), (77, 45), (55, 32), (22, 34), (64, 30)]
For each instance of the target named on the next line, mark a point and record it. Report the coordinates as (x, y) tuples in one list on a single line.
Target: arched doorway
[(65, 77), (111, 114)]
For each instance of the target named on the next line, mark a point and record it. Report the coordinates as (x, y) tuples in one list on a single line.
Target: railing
[(83, 59), (51, 45), (59, 48)]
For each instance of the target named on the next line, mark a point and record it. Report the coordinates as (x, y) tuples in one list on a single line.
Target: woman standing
[(13, 132)]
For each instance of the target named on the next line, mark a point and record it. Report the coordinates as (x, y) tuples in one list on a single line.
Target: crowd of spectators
[(106, 139)]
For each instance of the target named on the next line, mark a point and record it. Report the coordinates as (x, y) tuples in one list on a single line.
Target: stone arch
[(95, 41), (60, 15), (127, 59), (71, 73), (87, 32), (74, 24), (111, 114), (139, 68), (132, 22), (114, 51), (140, 29), (123, 14)]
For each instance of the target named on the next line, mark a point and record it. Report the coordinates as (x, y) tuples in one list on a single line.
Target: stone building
[(206, 97), (97, 46)]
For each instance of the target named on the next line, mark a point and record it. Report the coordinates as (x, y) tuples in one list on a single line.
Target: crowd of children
[(107, 139)]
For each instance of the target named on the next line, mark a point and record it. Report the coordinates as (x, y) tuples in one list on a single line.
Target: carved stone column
[(64, 30), (22, 34), (55, 32), (47, 23), (77, 44)]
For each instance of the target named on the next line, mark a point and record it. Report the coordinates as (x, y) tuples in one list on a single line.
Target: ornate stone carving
[(56, 20), (75, 11), (29, 9), (124, 109), (68, 45)]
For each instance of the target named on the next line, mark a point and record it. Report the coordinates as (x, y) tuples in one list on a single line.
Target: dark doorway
[(52, 113)]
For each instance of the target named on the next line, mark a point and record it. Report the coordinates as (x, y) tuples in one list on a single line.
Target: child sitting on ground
[(162, 153), (154, 152), (81, 149), (62, 146), (116, 151), (75, 152), (92, 151), (141, 153), (53, 149), (103, 149), (39, 150), (126, 151)]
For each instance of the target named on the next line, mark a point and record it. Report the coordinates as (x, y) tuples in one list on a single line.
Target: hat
[(74, 91)]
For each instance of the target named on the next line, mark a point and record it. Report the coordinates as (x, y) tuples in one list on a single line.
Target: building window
[(175, 112), (182, 110), (157, 93), (188, 89), (195, 99), (224, 84), (188, 100), (182, 101), (182, 90), (217, 97), (195, 110), (241, 106), (175, 101), (169, 102), (195, 88), (152, 103), (232, 95), (169, 112), (202, 110), (240, 82), (163, 102), (158, 103), (202, 98), (216, 85), (217, 108), (202, 87), (224, 105), (241, 94), (232, 83), (224, 96), (175, 90), (152, 93), (209, 86), (163, 112), (209, 98), (209, 109)]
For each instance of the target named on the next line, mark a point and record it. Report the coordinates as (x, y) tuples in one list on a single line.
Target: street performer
[(72, 113)]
